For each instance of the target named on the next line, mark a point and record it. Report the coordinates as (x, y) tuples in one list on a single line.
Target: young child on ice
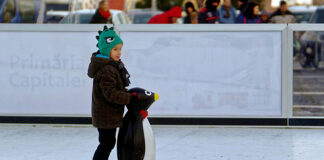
[(109, 95)]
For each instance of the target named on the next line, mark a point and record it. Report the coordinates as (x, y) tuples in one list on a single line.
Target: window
[(9, 11), (318, 16), (142, 18), (70, 18), (303, 17), (53, 18), (77, 19), (57, 6), (85, 18)]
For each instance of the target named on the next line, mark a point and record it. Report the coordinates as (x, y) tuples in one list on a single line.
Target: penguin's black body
[(135, 138)]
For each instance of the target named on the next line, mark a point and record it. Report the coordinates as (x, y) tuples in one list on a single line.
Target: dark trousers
[(107, 140)]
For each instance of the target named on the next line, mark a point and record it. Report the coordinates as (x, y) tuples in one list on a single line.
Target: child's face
[(104, 6), (115, 52), (189, 9), (174, 19), (256, 10)]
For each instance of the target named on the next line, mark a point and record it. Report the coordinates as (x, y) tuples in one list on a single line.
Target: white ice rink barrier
[(45, 72), (207, 73), (198, 71)]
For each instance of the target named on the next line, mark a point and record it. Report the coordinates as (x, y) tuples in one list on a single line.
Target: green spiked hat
[(107, 40)]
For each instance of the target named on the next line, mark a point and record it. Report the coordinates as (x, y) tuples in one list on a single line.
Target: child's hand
[(135, 95), (134, 100)]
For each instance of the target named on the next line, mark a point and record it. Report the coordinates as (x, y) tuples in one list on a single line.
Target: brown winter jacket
[(108, 94)]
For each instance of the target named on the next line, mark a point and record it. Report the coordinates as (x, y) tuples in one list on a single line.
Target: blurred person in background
[(209, 14), (227, 12), (242, 7), (264, 16), (251, 14), (191, 14), (168, 17), (102, 14), (282, 15)]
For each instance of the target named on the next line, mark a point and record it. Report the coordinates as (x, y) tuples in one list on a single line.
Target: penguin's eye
[(110, 39), (148, 93)]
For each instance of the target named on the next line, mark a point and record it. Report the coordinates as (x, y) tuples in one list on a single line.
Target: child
[(109, 95), (191, 14), (209, 14), (251, 14), (102, 14)]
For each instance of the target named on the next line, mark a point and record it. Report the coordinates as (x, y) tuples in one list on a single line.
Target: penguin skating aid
[(135, 139)]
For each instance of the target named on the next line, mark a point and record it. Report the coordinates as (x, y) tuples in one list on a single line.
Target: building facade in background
[(318, 2), (113, 4), (117, 4)]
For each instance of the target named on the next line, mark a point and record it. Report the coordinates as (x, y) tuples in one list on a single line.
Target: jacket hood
[(165, 17), (174, 12), (210, 6), (188, 5), (96, 64)]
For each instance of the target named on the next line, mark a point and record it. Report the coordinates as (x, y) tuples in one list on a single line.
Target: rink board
[(196, 73), (207, 73)]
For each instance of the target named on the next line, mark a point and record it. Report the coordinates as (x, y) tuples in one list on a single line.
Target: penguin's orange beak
[(156, 96)]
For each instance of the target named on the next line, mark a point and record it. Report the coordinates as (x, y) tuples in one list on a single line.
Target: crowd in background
[(212, 13)]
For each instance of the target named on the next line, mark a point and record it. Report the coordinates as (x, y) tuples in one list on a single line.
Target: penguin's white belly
[(149, 141)]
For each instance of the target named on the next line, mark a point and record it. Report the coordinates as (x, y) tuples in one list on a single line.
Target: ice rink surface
[(58, 142)]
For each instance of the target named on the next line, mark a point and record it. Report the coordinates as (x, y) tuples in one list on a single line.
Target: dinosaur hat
[(107, 40)]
